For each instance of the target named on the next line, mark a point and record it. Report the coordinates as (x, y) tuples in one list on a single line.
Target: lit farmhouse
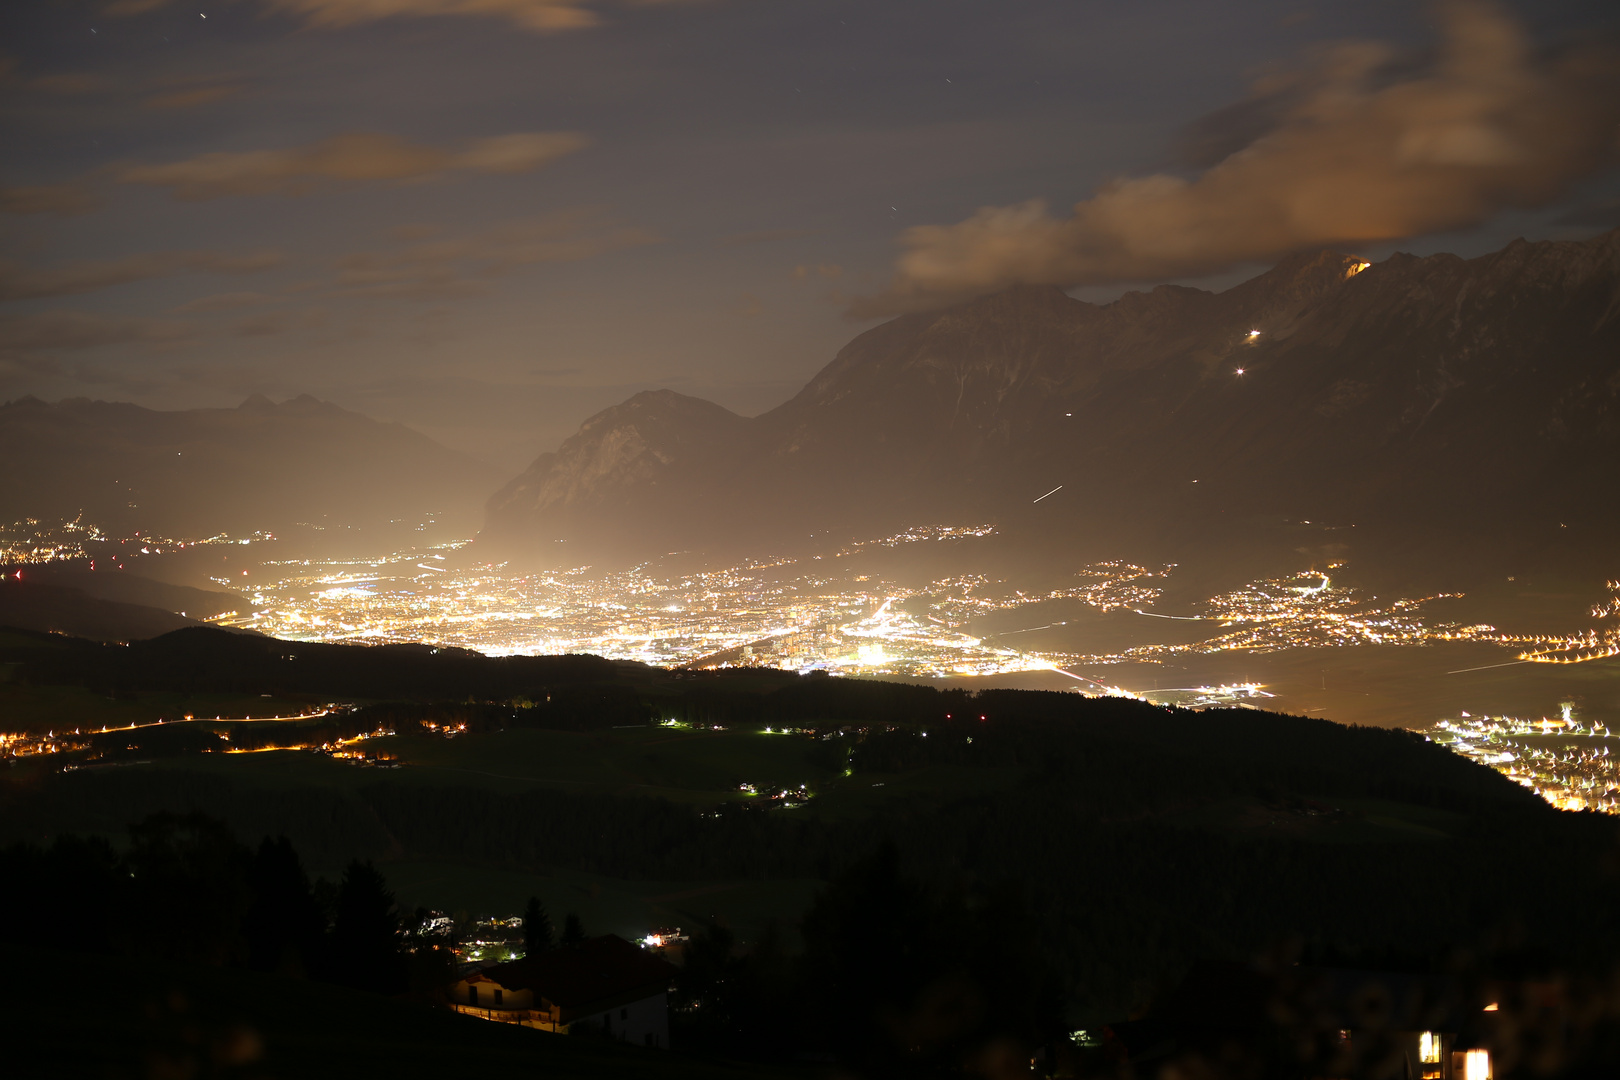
[(604, 986)]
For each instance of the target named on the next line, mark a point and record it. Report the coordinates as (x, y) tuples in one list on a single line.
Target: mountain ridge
[(1328, 386), (197, 472)]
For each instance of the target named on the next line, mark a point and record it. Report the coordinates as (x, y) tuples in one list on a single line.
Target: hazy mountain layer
[(193, 473), (120, 586), (56, 609), (1430, 401)]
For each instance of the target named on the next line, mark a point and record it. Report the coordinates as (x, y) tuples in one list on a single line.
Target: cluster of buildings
[(1383, 1025), (1578, 648), (1572, 766), (32, 542), (819, 612), (1307, 611), (602, 987), (1335, 1022), (22, 744), (255, 735), (795, 614), (606, 987)]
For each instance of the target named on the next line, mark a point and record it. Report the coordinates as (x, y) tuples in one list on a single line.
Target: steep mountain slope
[(1419, 397), (642, 464), (198, 472)]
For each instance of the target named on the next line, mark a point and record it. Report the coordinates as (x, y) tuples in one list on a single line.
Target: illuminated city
[(33, 542), (1578, 649), (788, 613), (1569, 764), (819, 540)]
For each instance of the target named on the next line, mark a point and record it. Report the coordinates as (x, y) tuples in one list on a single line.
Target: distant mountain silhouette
[(197, 472), (124, 587), (1434, 402), (26, 605)]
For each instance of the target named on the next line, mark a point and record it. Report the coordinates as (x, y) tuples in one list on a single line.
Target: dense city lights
[(33, 542), (1569, 764)]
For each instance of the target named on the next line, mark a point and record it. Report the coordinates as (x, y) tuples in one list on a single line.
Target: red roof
[(601, 968)]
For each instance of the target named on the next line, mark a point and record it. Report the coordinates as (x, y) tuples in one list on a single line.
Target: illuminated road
[(218, 720)]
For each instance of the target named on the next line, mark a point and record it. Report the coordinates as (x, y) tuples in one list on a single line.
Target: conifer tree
[(537, 935)]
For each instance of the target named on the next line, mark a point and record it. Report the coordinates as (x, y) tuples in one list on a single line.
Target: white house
[(605, 985)]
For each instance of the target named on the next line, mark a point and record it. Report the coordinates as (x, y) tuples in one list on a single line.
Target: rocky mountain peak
[(1309, 390)]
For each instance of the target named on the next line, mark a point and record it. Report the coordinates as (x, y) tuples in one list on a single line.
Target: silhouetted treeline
[(1120, 895), (566, 692), (1121, 816), (184, 889), (895, 978), (205, 660)]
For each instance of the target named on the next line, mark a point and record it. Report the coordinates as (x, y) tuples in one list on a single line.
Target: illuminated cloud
[(540, 16), (51, 331), (224, 302), (132, 7), (191, 97), (544, 16), (70, 83), (456, 266), (764, 236), (346, 159), (19, 282), (1352, 153), (60, 199)]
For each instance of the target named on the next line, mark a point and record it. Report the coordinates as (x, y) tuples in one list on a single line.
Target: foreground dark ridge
[(1139, 838)]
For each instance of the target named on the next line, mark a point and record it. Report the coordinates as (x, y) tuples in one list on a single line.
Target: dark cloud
[(346, 159), (20, 282), (1349, 154), (1601, 215), (460, 265)]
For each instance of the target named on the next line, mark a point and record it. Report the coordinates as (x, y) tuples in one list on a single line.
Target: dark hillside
[(27, 605), (175, 1020), (1139, 838)]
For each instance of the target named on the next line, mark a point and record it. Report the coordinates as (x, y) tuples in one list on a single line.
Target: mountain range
[(262, 466), (1455, 416), (1466, 412)]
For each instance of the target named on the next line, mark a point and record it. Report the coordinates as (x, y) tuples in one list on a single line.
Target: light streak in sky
[(1054, 491)]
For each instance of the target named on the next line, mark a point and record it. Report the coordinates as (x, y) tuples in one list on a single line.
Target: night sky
[(490, 218)]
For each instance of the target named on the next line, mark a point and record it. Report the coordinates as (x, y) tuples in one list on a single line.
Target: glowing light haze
[(490, 218)]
